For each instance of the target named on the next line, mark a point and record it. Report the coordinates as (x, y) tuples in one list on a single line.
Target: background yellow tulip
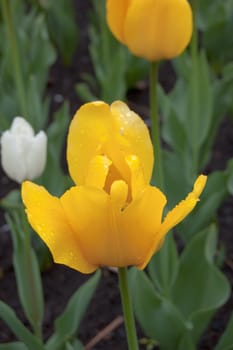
[(152, 29)]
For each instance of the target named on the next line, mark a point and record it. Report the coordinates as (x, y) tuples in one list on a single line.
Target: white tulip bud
[(23, 152)]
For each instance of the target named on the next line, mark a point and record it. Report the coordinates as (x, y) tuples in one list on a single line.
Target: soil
[(59, 281)]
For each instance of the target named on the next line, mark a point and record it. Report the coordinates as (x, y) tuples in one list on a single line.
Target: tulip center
[(122, 179), (119, 194), (134, 181)]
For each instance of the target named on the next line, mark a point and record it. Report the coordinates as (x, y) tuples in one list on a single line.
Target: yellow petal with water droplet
[(112, 131), (98, 171), (137, 176), (47, 217), (89, 130), (133, 137)]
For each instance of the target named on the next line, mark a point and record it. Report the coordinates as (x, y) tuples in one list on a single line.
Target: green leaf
[(9, 107), (219, 16), (177, 182), (67, 324), (57, 130), (211, 290), (186, 342), (11, 201), (75, 345), (199, 103), (29, 285), (27, 272), (62, 27), (53, 177), (13, 346), (230, 176), (36, 57), (183, 65), (205, 212), (17, 327), (38, 106), (223, 105), (84, 91), (199, 112), (173, 129), (163, 266), (226, 340), (137, 70), (226, 90), (158, 317), (228, 72), (37, 52), (102, 45), (104, 63)]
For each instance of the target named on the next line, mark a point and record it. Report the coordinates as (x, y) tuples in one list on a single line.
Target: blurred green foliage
[(35, 55), (115, 69), (215, 20)]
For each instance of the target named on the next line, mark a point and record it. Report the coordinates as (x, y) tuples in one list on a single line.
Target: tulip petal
[(98, 171), (47, 217), (137, 178), (20, 127), (88, 212), (177, 214), (132, 135), (88, 132), (119, 194), (36, 156), (12, 158), (114, 132), (111, 235), (116, 13), (168, 26), (139, 223), (181, 210)]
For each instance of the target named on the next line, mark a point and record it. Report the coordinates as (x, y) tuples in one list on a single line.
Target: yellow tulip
[(152, 29), (112, 216)]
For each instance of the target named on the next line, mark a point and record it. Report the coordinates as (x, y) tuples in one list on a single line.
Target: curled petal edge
[(175, 216)]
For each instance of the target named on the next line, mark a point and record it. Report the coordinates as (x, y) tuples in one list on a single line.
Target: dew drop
[(122, 131)]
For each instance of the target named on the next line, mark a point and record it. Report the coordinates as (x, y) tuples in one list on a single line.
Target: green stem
[(194, 56), (158, 167), (127, 309), (8, 18), (194, 41)]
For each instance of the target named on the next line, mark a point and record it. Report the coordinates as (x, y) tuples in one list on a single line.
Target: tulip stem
[(8, 18), (155, 128), (194, 56), (127, 309), (194, 41)]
